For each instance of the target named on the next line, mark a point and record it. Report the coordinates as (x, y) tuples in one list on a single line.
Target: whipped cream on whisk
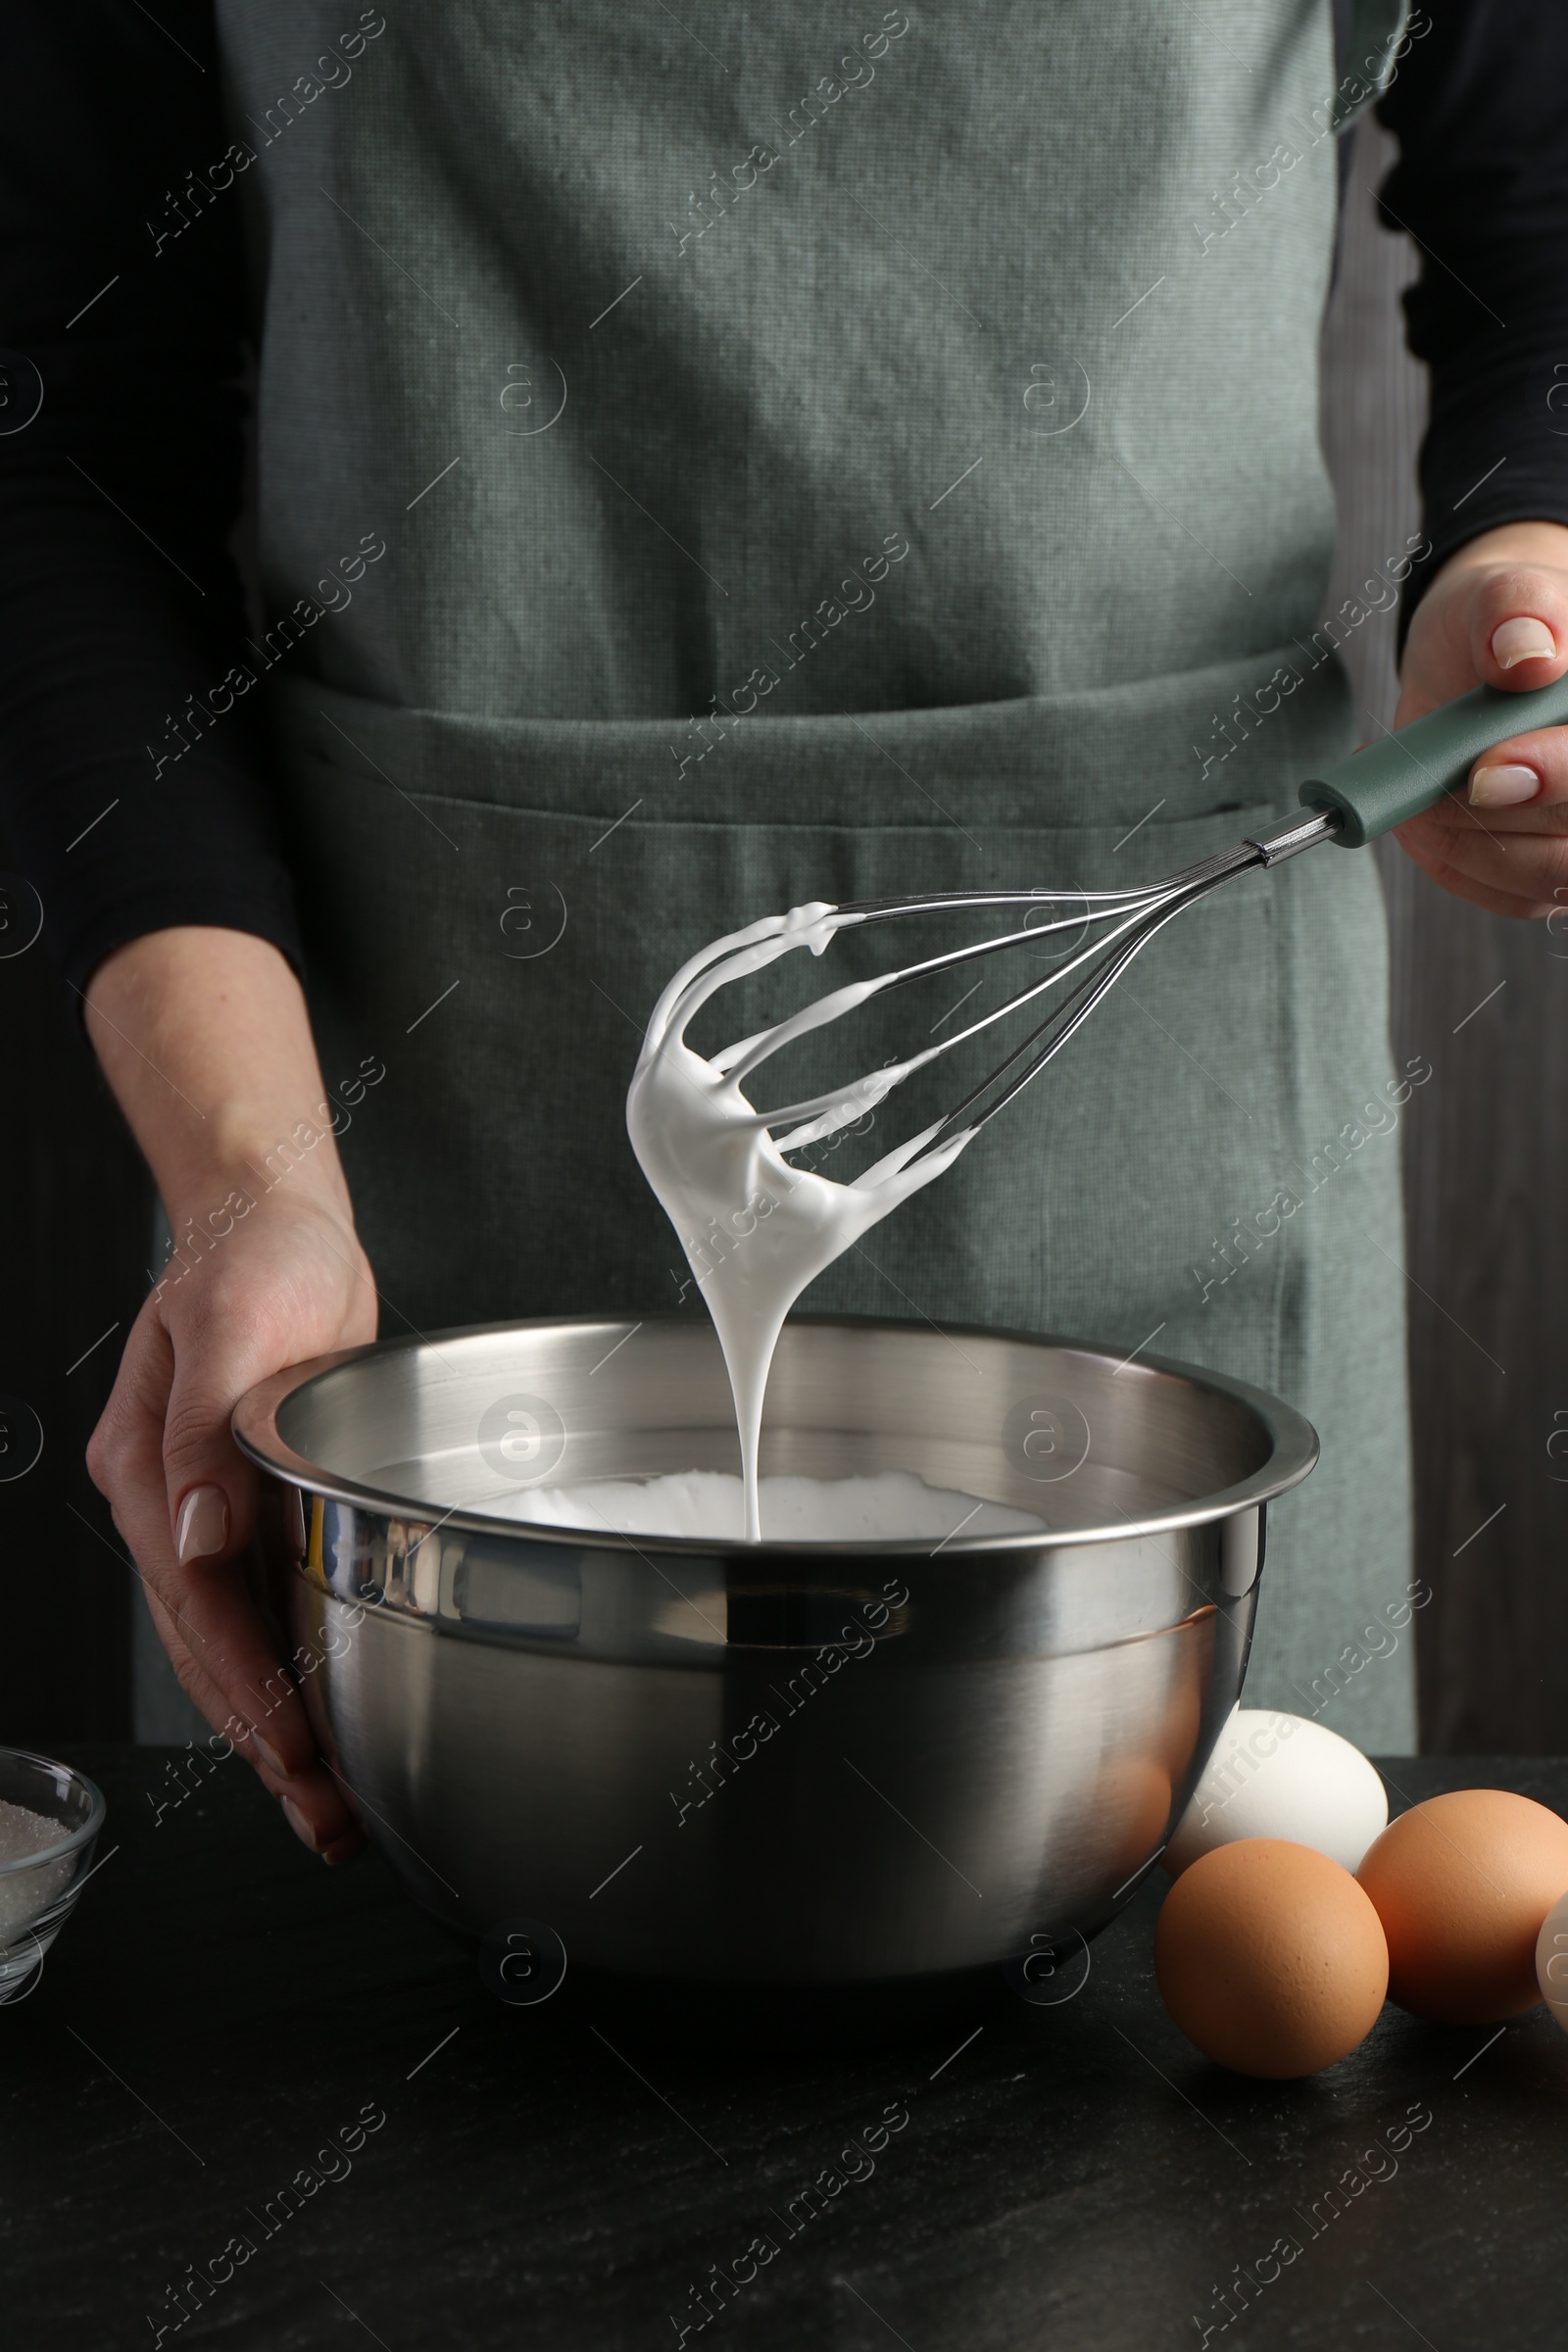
[(756, 1231)]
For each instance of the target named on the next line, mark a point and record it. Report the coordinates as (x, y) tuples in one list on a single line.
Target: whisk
[(1352, 804)]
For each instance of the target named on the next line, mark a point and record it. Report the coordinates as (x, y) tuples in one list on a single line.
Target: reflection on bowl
[(1130, 1800), (788, 1762), (50, 1817)]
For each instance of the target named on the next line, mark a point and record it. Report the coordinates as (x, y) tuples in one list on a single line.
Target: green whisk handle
[(1395, 779)]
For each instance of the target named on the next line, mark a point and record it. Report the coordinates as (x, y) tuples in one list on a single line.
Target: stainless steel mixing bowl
[(780, 1763)]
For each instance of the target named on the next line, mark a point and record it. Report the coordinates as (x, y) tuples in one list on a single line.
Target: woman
[(703, 464)]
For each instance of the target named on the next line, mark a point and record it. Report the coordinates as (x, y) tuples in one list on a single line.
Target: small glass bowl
[(39, 1891)]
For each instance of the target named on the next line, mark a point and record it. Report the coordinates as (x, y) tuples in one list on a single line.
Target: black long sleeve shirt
[(120, 596)]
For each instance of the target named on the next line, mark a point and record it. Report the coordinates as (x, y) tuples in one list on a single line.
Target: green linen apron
[(787, 453)]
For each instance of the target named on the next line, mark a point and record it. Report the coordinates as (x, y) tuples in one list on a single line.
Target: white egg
[(1552, 1961), (1279, 1776)]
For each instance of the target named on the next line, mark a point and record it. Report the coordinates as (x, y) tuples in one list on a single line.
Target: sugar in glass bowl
[(50, 1817)]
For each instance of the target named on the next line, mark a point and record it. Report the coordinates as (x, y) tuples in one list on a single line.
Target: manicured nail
[(1516, 641), (298, 1823), (1500, 787), (269, 1757), (202, 1525), (343, 1850)]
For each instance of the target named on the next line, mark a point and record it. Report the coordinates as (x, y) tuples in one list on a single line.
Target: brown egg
[(1270, 1958), (1461, 1885)]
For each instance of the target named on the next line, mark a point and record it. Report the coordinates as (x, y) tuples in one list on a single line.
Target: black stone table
[(224, 2018)]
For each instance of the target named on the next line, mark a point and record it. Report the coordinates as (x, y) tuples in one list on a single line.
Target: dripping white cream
[(756, 1229)]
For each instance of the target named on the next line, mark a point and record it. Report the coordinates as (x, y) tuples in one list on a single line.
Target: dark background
[(75, 1208), (1488, 1246)]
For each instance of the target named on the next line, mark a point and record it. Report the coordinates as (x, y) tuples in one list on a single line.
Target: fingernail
[(298, 1823), (1500, 787), (343, 1850), (269, 1756), (202, 1528), (1516, 641)]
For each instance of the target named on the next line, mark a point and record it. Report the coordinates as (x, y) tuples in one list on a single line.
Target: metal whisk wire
[(1356, 801), (1126, 921)]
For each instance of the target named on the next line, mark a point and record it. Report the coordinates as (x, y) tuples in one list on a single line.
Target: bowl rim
[(1294, 1442), (79, 1837)]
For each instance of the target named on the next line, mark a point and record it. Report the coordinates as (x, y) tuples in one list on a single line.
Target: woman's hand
[(1496, 615), (288, 1282), (204, 1037)]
